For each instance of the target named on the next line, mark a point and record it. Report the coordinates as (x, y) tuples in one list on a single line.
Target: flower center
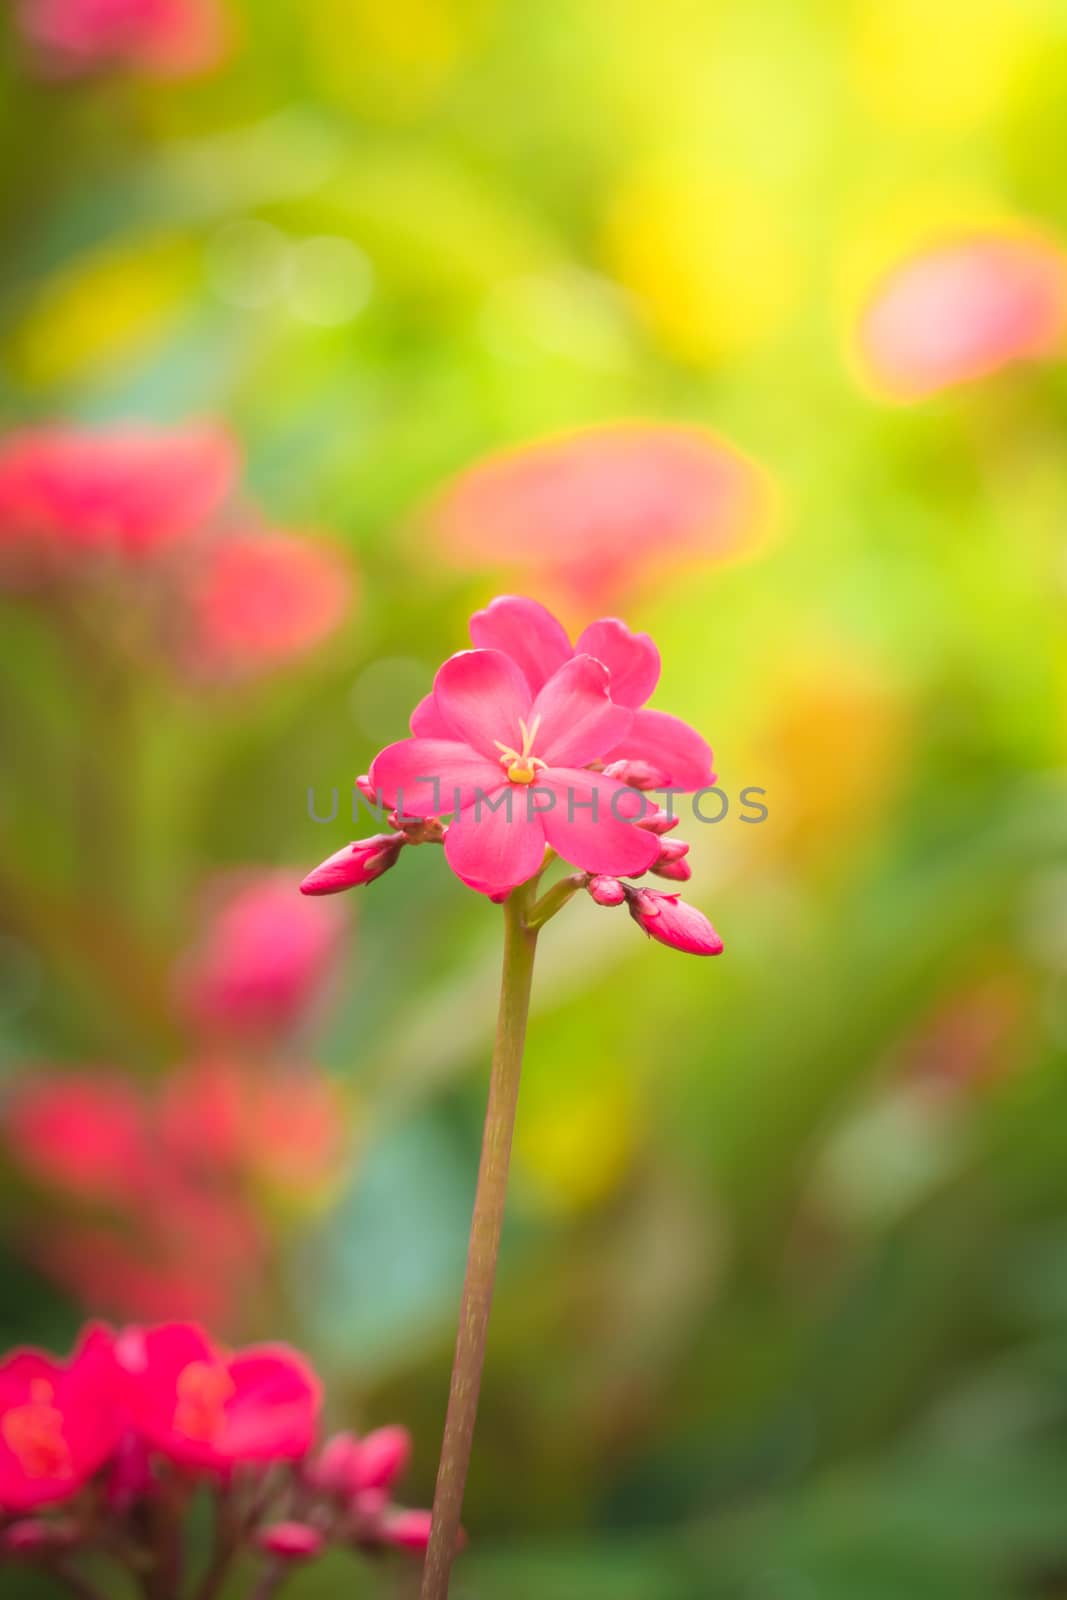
[(34, 1435), (521, 766), (203, 1390)]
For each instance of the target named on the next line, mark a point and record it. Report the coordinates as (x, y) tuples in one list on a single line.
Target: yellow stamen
[(521, 766)]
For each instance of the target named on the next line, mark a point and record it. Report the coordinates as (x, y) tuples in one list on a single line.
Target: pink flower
[(85, 1133), (123, 493), (596, 511), (963, 309), (169, 38), (671, 754), (59, 1421), (255, 601), (511, 771), (263, 960), (207, 1409), (355, 864), (666, 917), (291, 1541)]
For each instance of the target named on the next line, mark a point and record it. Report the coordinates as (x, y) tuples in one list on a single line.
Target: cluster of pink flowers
[(150, 518), (142, 1418), (530, 744), (164, 38), (160, 1186)]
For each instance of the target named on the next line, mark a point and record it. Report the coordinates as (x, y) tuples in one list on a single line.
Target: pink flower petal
[(576, 718), (631, 658), (427, 722), (494, 850), (681, 757), (587, 825), (526, 631), (423, 776), (482, 695)]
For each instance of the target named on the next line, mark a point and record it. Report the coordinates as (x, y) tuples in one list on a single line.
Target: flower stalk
[(520, 943)]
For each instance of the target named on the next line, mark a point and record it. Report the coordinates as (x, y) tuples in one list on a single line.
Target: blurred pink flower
[(59, 1421), (595, 512), (168, 38), (263, 960), (84, 1133), (123, 493), (204, 1408), (256, 600), (963, 309), (282, 1126)]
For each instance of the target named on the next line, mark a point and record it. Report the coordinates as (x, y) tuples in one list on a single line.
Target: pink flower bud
[(677, 871), (334, 1470), (658, 821), (670, 862), (381, 1458), (29, 1537), (606, 891), (667, 918), (407, 1530), (357, 863), (367, 789), (636, 774), (291, 1541)]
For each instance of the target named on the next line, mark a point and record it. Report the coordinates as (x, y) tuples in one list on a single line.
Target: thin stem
[(520, 942), (555, 899)]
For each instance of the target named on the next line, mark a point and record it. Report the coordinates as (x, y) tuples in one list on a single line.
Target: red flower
[(59, 1421), (962, 310), (122, 493), (208, 1409), (169, 38), (263, 960), (85, 1133), (256, 600), (595, 511)]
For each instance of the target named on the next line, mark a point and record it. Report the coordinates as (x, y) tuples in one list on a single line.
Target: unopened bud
[(658, 821), (381, 1458), (671, 863), (606, 891), (356, 864), (334, 1469), (636, 774), (667, 918), (291, 1541)]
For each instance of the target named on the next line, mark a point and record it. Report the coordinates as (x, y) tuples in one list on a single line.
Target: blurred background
[(782, 1312)]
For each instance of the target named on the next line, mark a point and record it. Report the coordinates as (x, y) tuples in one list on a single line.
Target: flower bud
[(334, 1469), (291, 1541), (357, 863), (381, 1457), (667, 918), (408, 1530), (636, 774), (657, 821), (31, 1536), (670, 862), (606, 891), (367, 789), (677, 871)]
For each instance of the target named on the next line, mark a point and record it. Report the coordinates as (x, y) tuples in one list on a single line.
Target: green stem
[(520, 942), (555, 899)]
